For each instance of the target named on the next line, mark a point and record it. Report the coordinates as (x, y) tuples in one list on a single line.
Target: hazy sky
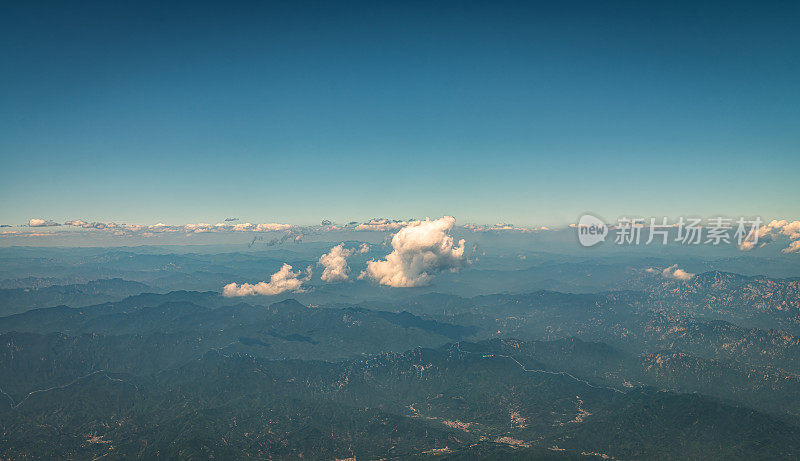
[(530, 113)]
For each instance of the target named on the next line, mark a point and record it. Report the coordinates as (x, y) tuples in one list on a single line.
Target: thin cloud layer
[(383, 225), (283, 280), (266, 227), (38, 222), (192, 228), (766, 234), (499, 227), (419, 250), (97, 225)]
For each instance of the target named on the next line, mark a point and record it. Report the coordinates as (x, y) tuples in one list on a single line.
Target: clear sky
[(530, 113)]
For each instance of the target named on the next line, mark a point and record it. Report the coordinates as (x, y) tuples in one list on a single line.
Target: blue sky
[(530, 113)]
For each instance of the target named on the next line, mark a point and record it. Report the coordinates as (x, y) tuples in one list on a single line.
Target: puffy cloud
[(792, 230), (794, 247), (419, 250), (283, 280), (768, 233), (38, 222), (335, 264), (746, 245), (326, 222), (760, 236), (672, 272)]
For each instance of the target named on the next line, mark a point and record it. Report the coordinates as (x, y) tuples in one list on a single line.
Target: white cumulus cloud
[(769, 233), (419, 250), (794, 247), (283, 280), (672, 272), (335, 264)]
